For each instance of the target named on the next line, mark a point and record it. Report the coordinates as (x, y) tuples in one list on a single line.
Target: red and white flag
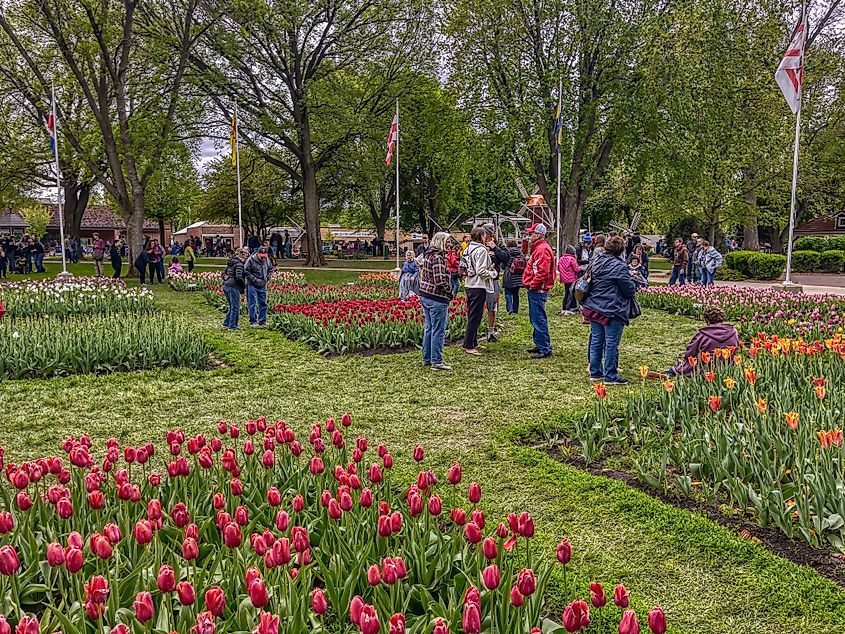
[(790, 73), (392, 138)]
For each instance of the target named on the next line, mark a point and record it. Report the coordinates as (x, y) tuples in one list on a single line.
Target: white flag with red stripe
[(392, 138), (790, 73)]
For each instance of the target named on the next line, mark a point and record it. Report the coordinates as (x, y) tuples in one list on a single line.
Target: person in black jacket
[(513, 277), (234, 283), (141, 263), (116, 259), (257, 273), (501, 259)]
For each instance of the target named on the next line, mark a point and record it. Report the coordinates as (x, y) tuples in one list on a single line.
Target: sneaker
[(426, 363), (540, 355), (596, 379), (533, 350), (235, 328), (619, 381), (492, 338), (253, 325), (440, 366)]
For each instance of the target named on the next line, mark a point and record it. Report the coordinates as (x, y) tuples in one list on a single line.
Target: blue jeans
[(691, 270), (233, 296), (39, 262), (604, 342), (456, 284), (708, 278), (436, 315), (678, 275), (256, 301), (512, 300), (537, 315)]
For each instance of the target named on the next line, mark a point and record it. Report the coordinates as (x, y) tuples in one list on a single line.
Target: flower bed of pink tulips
[(253, 530)]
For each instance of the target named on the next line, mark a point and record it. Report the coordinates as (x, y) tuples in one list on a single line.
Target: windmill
[(630, 229), (535, 208)]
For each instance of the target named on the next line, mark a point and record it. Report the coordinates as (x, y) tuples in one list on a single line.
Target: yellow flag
[(233, 139)]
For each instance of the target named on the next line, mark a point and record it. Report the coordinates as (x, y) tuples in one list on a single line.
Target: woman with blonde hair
[(435, 293)]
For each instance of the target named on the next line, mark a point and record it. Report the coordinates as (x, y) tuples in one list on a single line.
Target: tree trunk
[(161, 234), (711, 226), (76, 197), (750, 232), (134, 219), (312, 213)]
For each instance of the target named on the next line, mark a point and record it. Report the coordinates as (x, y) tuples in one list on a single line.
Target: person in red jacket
[(539, 279)]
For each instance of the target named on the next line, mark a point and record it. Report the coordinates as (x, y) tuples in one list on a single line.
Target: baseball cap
[(538, 227), (489, 228), (587, 237)]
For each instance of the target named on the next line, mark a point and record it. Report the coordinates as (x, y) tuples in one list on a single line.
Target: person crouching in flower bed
[(715, 334), (435, 293), (409, 280), (175, 267), (234, 284)]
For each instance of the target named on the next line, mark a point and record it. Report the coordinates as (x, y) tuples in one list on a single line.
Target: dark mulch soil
[(826, 563)]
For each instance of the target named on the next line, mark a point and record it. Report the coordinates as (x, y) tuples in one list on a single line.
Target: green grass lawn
[(708, 579)]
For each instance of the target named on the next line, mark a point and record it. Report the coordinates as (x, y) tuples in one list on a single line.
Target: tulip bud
[(101, 547), (657, 620), (215, 601), (236, 487), (316, 467), (64, 508), (416, 505), (397, 624), (55, 554), (491, 577), (440, 627), (369, 620), (96, 500), (597, 596), (419, 453), (73, 559), (301, 541), (629, 623), (112, 532), (455, 474), (27, 625), (258, 593), (185, 592), (396, 522), (274, 498), (477, 516), (564, 551), (474, 493), (241, 516), (472, 533), (516, 597), (154, 510), (120, 628), (366, 499), (458, 516), (620, 596), (180, 515), (375, 474), (319, 605), (281, 551), (282, 521), (143, 532), (232, 535), (576, 616), (526, 582), (9, 562), (355, 608), (489, 548), (298, 503), (526, 525), (218, 501), (143, 606), (23, 501), (166, 580), (373, 576)]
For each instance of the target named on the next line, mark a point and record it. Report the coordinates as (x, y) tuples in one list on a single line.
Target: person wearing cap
[(584, 251), (500, 258), (479, 282), (692, 246), (257, 273), (234, 283), (539, 279)]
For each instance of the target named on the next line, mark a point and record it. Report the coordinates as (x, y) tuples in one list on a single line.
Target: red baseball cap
[(537, 227)]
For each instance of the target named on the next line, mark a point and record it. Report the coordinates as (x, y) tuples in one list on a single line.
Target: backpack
[(517, 266), (465, 266)]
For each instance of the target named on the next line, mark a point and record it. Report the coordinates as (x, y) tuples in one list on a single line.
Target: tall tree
[(305, 76), (127, 59)]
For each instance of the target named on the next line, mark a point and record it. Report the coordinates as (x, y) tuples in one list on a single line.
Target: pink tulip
[(185, 592), (9, 562), (318, 601), (491, 577), (143, 606)]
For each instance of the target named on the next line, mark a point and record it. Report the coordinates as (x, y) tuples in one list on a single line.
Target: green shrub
[(760, 266), (832, 261), (835, 243), (810, 243), (738, 261), (805, 261), (729, 274)]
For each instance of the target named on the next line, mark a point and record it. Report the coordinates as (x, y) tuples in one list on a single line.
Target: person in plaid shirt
[(435, 293)]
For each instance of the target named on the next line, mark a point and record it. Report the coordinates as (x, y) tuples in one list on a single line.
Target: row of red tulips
[(251, 532)]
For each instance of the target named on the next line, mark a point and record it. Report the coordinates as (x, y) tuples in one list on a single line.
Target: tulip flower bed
[(754, 309), (351, 325), (255, 531), (76, 296), (210, 280), (45, 347), (760, 428), (292, 294)]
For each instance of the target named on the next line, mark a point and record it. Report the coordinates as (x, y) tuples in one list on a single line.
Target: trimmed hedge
[(760, 266), (805, 261), (729, 274), (832, 261), (818, 243)]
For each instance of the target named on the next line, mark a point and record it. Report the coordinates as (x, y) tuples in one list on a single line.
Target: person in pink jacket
[(568, 270)]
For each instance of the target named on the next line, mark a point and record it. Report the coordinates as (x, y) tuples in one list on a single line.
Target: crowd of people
[(694, 261), (21, 256)]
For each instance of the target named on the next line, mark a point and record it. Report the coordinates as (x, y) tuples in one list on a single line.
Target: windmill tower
[(535, 208)]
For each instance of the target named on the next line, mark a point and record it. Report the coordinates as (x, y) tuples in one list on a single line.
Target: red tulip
[(526, 525), (397, 624), (281, 551), (143, 606), (373, 576), (9, 562), (27, 625), (491, 577), (232, 535), (629, 623), (55, 554), (318, 601), (143, 532), (346, 419), (440, 627), (268, 623), (334, 509), (316, 467), (472, 533), (564, 551), (180, 515), (369, 620), (472, 618), (375, 474), (355, 607), (274, 498), (472, 595), (458, 516), (489, 548), (185, 592), (576, 616), (620, 596), (241, 516), (258, 593), (154, 510), (298, 503), (120, 628), (101, 546), (474, 492), (64, 508), (97, 590), (455, 474), (112, 532), (597, 596), (190, 549), (166, 580), (415, 505), (526, 582), (23, 501), (215, 601), (236, 487), (218, 501), (657, 620), (387, 461), (301, 541), (516, 597), (73, 559)]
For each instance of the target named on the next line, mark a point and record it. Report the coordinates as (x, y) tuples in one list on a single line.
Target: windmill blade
[(635, 223), (521, 187), (618, 225), (536, 190)]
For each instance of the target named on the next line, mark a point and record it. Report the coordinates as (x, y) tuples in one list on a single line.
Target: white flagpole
[(560, 119), (58, 180), (788, 279), (398, 268), (238, 170)]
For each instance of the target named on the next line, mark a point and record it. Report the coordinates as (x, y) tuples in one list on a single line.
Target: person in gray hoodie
[(257, 273), (480, 274)]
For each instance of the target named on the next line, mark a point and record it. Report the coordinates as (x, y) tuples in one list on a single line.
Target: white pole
[(58, 180), (788, 279), (238, 170), (557, 206), (398, 268)]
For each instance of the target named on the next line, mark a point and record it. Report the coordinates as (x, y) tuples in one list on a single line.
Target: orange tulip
[(836, 437), (824, 439), (792, 420), (705, 357), (644, 371), (600, 389), (668, 385), (730, 383), (751, 375), (762, 406), (710, 376), (820, 391), (692, 361), (715, 403)]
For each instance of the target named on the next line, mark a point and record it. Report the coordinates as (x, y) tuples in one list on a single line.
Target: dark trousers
[(476, 297), (190, 265), (569, 302), (142, 274), (116, 266), (512, 300), (2, 267)]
